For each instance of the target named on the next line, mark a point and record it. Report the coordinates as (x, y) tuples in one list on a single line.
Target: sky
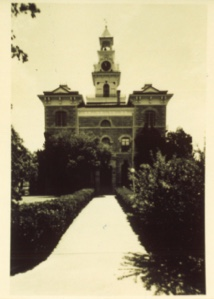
[(161, 44)]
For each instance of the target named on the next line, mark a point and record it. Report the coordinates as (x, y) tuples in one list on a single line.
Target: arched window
[(150, 118), (106, 140), (125, 144), (105, 123), (60, 119), (106, 90)]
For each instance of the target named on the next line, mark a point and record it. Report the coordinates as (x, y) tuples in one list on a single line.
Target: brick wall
[(120, 126), (113, 133), (58, 130), (140, 112), (50, 116), (121, 121)]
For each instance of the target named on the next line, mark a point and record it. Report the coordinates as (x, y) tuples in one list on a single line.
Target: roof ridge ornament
[(106, 32)]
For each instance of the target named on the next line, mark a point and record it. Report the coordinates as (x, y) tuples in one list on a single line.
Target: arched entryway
[(106, 179), (124, 174)]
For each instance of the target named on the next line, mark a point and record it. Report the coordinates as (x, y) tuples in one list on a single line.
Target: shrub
[(170, 199), (37, 227), (166, 211), (126, 198), (169, 204)]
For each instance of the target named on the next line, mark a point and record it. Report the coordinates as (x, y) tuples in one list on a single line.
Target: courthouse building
[(107, 114)]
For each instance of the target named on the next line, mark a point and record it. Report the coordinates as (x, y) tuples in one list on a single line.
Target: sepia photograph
[(108, 148)]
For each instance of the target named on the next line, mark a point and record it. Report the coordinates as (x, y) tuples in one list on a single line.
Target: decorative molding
[(150, 109), (106, 136), (125, 136), (104, 128), (108, 119), (97, 112)]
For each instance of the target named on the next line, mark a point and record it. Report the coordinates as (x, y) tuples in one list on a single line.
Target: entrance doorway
[(106, 179), (124, 174)]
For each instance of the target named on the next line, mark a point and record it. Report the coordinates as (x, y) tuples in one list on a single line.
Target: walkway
[(88, 258), (39, 198)]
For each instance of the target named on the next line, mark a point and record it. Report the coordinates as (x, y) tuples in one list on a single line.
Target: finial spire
[(106, 32), (106, 23)]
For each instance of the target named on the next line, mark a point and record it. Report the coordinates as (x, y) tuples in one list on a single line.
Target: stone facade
[(106, 114)]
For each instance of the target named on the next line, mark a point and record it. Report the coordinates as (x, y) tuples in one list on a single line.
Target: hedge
[(175, 261), (36, 228)]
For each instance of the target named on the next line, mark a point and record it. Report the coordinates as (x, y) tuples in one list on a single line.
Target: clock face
[(106, 65)]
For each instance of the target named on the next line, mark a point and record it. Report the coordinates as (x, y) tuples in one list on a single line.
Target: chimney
[(118, 97)]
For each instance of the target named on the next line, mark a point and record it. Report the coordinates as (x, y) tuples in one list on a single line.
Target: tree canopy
[(148, 142), (68, 161), (178, 144)]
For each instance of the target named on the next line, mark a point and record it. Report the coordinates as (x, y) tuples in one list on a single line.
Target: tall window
[(106, 90), (125, 144), (105, 123), (150, 118), (60, 119)]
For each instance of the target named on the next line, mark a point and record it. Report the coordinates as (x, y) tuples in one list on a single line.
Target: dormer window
[(61, 119)]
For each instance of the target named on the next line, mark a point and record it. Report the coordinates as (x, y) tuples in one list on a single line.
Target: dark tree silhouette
[(23, 165), (147, 143), (68, 162), (178, 144)]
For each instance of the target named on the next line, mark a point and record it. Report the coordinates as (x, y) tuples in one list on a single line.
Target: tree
[(16, 9), (178, 144), (68, 162), (148, 142), (170, 199), (23, 167)]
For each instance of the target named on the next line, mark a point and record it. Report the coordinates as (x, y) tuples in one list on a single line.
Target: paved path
[(88, 258), (32, 199)]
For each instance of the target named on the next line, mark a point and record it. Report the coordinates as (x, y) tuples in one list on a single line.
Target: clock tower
[(106, 75)]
